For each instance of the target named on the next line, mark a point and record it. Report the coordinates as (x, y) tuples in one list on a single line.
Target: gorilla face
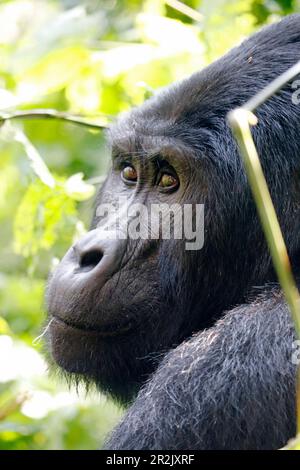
[(116, 304), (115, 301)]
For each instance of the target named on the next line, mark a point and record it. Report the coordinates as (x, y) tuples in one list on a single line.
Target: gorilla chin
[(96, 356), (69, 345)]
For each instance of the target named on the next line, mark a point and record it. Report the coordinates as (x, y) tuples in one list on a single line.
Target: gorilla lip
[(115, 330)]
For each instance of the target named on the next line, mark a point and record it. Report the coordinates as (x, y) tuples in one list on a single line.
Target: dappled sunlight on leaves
[(44, 216)]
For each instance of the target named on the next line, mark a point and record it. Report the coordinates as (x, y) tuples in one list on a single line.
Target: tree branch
[(100, 123)]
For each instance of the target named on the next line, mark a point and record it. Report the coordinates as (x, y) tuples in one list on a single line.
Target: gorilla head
[(117, 304)]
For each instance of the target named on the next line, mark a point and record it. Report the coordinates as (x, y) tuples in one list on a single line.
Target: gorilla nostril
[(90, 259)]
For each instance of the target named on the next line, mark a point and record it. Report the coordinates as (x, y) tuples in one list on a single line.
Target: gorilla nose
[(90, 259), (89, 252), (89, 263), (95, 251)]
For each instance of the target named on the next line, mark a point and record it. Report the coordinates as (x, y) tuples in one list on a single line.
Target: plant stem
[(240, 120)]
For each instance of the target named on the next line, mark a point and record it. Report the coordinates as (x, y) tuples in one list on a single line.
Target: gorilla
[(198, 343)]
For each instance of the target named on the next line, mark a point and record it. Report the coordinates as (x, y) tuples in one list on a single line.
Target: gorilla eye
[(129, 174), (168, 181)]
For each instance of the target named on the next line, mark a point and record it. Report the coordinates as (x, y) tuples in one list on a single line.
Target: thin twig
[(240, 120), (272, 88), (185, 9), (54, 114)]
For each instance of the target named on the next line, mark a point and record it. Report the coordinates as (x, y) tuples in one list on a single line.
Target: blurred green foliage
[(96, 58)]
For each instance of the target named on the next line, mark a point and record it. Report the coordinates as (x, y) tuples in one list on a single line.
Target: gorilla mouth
[(107, 331)]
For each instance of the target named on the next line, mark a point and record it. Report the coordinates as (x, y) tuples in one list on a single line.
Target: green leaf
[(44, 216), (53, 72), (37, 163), (78, 189), (12, 133)]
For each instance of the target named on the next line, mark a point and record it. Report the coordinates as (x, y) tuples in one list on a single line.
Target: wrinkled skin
[(125, 313)]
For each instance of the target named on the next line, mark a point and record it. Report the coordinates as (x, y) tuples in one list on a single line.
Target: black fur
[(212, 358), (229, 387)]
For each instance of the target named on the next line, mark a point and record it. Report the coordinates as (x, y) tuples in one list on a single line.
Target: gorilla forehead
[(164, 115), (176, 118)]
